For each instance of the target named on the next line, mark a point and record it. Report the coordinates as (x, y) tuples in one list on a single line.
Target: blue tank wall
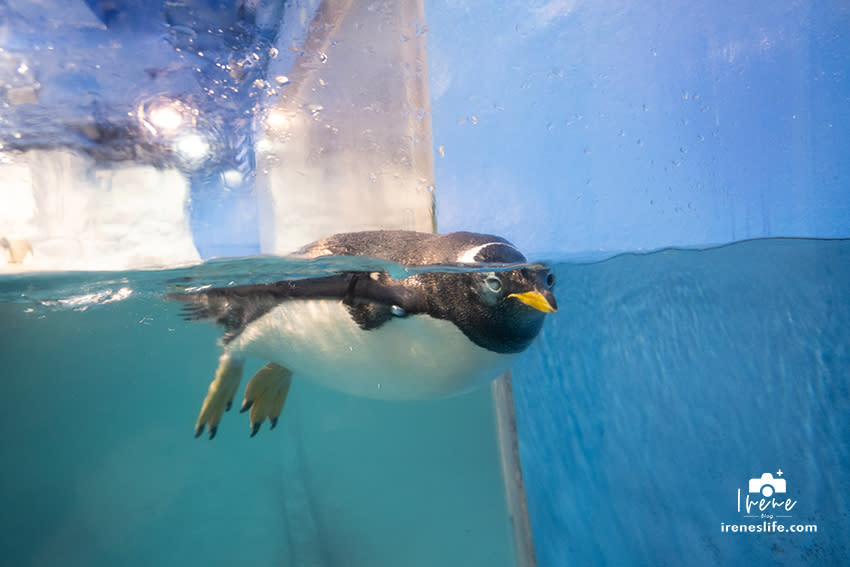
[(573, 126)]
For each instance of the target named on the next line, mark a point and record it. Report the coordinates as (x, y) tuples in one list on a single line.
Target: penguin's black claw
[(199, 431), (213, 431), (246, 405), (255, 427), (274, 422)]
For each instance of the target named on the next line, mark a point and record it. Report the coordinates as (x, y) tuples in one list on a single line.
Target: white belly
[(405, 358)]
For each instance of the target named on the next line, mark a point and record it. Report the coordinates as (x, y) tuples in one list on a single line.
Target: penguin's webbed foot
[(265, 395), (220, 394)]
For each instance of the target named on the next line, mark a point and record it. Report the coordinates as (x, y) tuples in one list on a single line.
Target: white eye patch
[(469, 256)]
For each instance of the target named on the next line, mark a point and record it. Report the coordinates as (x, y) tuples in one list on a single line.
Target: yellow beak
[(536, 300)]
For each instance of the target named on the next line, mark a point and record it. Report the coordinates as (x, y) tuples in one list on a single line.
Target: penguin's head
[(501, 310), (512, 305)]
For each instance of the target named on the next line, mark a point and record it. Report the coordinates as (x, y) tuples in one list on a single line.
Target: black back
[(413, 248)]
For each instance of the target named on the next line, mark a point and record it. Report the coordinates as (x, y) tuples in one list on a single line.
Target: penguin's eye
[(550, 280), (494, 283)]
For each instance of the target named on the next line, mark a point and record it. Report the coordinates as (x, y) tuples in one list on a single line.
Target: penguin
[(469, 306)]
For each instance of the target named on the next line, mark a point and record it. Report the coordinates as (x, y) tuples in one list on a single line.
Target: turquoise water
[(664, 383), (103, 382)]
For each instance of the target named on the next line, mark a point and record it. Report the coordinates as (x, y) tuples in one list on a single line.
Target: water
[(663, 384), (102, 467), (666, 382)]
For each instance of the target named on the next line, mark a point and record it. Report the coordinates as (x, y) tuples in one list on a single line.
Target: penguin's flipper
[(265, 395), (231, 307), (236, 307), (220, 394)]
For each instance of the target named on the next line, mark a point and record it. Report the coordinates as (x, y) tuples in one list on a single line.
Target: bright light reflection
[(192, 147), (277, 119), (166, 118)]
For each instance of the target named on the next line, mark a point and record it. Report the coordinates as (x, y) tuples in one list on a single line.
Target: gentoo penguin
[(436, 332)]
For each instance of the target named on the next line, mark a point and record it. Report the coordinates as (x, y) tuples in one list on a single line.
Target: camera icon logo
[(767, 485)]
